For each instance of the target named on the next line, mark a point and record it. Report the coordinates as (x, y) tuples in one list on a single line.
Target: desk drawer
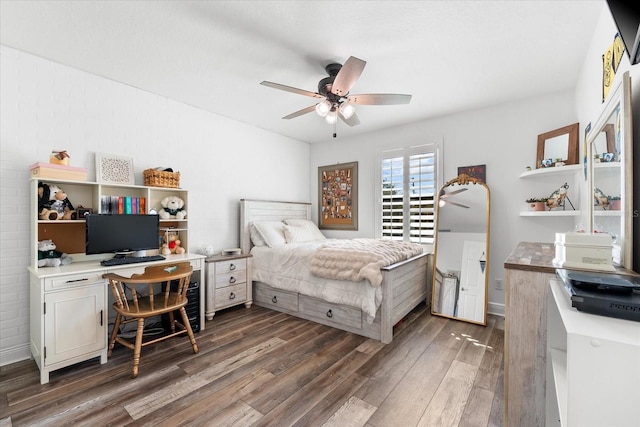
[(231, 295), (73, 281)]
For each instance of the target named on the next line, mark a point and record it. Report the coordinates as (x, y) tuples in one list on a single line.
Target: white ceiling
[(450, 55)]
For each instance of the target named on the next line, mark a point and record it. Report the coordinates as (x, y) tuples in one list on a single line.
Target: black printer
[(604, 294)]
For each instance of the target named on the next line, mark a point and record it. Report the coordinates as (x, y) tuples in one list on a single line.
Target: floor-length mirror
[(610, 149), (461, 251)]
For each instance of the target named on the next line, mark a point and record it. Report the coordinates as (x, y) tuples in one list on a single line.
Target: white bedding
[(288, 267)]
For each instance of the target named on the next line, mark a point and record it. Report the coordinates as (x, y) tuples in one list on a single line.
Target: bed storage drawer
[(277, 299), (330, 314)]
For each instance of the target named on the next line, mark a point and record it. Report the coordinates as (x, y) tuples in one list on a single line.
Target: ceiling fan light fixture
[(323, 108), (347, 110), (332, 116)]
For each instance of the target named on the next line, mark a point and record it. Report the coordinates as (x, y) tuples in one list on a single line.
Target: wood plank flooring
[(257, 367)]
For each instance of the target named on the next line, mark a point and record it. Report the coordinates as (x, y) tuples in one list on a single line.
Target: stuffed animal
[(48, 256), (53, 203), (172, 207), (171, 244)]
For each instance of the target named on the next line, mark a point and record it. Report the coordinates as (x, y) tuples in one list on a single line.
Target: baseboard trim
[(14, 354), (496, 309)]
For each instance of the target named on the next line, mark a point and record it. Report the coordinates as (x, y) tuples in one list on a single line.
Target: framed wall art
[(338, 196), (112, 169), (476, 171)]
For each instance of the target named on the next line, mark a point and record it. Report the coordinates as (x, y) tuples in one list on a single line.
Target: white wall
[(45, 105), (503, 137)]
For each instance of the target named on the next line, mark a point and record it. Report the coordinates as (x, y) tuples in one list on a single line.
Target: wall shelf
[(559, 170), (551, 213)]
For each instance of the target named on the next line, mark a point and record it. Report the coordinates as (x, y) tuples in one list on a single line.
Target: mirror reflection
[(461, 252), (610, 156), (559, 145)]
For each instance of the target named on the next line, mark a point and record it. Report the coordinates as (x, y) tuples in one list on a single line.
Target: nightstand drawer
[(231, 295), (231, 266), (230, 279)]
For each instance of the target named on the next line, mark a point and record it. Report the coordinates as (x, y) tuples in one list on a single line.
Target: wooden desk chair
[(136, 300)]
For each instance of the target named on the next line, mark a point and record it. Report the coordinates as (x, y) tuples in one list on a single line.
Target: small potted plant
[(537, 203), (614, 203)]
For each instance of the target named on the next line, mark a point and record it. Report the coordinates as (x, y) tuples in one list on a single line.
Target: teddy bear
[(48, 256), (53, 203), (172, 207), (171, 244)]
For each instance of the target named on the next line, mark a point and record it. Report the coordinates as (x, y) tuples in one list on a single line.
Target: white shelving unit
[(69, 236), (593, 366)]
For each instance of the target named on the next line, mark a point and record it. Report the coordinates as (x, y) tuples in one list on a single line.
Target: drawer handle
[(232, 279), (232, 296), (232, 267), (77, 280), (329, 314), (274, 299)]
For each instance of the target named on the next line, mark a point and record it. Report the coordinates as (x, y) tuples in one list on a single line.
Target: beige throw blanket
[(358, 259)]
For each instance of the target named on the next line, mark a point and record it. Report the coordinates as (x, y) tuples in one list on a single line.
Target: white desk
[(69, 310)]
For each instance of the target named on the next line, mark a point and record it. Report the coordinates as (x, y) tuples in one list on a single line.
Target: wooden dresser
[(527, 273)]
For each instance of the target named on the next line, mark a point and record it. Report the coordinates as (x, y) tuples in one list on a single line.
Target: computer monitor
[(121, 234)]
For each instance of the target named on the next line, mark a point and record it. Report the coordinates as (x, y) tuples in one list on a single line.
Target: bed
[(403, 286)]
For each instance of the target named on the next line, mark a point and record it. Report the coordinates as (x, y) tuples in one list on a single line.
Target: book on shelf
[(123, 205)]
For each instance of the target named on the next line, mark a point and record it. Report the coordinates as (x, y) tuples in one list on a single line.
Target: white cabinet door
[(75, 322)]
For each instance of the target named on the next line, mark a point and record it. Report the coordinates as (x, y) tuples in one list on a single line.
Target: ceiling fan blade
[(459, 204), (301, 112), (347, 76), (451, 193), (379, 99), (351, 121), (291, 89)]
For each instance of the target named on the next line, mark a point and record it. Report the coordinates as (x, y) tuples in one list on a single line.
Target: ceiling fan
[(444, 198), (334, 92)]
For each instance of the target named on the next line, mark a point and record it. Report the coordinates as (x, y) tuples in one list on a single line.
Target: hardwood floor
[(257, 367)]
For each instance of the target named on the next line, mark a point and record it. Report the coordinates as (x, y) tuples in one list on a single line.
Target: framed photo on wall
[(338, 196), (477, 171)]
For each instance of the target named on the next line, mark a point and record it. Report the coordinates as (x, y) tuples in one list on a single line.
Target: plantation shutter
[(408, 194)]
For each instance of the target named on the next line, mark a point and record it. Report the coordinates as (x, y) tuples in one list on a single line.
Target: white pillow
[(271, 233), (256, 238), (302, 230)]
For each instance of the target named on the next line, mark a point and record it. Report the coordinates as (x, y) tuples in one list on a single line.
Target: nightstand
[(228, 282)]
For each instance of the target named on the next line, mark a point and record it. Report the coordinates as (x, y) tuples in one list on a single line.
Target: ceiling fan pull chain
[(335, 124)]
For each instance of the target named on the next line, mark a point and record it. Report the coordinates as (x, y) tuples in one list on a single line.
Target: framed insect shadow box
[(338, 196)]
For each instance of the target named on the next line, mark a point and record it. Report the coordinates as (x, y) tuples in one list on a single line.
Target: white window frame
[(406, 153)]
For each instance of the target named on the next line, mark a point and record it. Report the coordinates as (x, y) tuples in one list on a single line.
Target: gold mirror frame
[(445, 282), (611, 178), (570, 154)]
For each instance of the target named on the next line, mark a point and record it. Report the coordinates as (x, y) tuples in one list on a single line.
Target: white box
[(592, 251)]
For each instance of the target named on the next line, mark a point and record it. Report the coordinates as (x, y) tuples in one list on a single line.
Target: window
[(408, 187)]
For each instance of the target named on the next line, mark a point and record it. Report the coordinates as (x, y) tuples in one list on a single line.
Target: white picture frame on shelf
[(114, 169)]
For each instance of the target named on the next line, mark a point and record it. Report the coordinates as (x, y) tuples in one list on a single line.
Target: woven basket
[(156, 178)]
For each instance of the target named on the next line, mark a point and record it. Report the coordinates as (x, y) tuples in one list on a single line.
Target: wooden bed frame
[(404, 285)]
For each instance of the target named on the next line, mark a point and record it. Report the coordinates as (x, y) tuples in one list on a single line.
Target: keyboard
[(131, 260)]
